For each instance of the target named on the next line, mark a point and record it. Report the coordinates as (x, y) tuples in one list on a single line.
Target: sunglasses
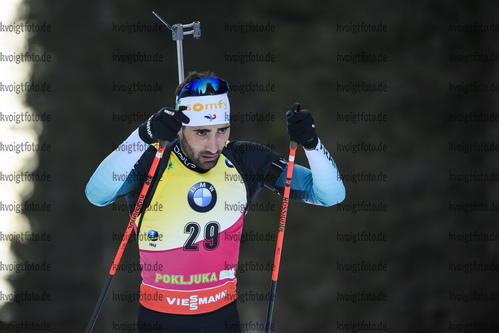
[(203, 87)]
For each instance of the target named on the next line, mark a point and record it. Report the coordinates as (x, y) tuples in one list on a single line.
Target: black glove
[(164, 125), (301, 127)]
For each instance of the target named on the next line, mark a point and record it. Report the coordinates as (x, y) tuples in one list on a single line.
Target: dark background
[(424, 293)]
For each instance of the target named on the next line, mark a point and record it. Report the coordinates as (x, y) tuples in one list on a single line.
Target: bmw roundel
[(202, 197), (228, 163)]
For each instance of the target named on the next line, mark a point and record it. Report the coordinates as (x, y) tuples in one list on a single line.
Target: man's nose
[(211, 143)]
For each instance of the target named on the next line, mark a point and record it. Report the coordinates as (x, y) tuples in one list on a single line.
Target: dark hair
[(193, 76)]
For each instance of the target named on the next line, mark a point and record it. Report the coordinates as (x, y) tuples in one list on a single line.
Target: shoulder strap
[(227, 153), (163, 163)]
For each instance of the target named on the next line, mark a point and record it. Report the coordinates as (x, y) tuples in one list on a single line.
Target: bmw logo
[(228, 163), (202, 197)]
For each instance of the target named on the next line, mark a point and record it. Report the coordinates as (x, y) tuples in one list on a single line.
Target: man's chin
[(207, 165)]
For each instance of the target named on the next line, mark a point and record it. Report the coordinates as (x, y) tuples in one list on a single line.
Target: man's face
[(203, 144)]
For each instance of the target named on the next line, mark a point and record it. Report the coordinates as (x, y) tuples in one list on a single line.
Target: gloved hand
[(164, 125), (301, 127)]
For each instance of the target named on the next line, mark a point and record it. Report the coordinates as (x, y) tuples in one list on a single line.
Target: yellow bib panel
[(189, 238)]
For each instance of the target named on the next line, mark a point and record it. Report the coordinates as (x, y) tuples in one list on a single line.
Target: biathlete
[(193, 240)]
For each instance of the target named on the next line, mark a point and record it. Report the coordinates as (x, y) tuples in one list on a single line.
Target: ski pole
[(126, 236), (282, 223), (178, 35)]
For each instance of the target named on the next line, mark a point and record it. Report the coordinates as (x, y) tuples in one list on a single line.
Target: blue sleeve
[(102, 190), (319, 185), (116, 175)]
